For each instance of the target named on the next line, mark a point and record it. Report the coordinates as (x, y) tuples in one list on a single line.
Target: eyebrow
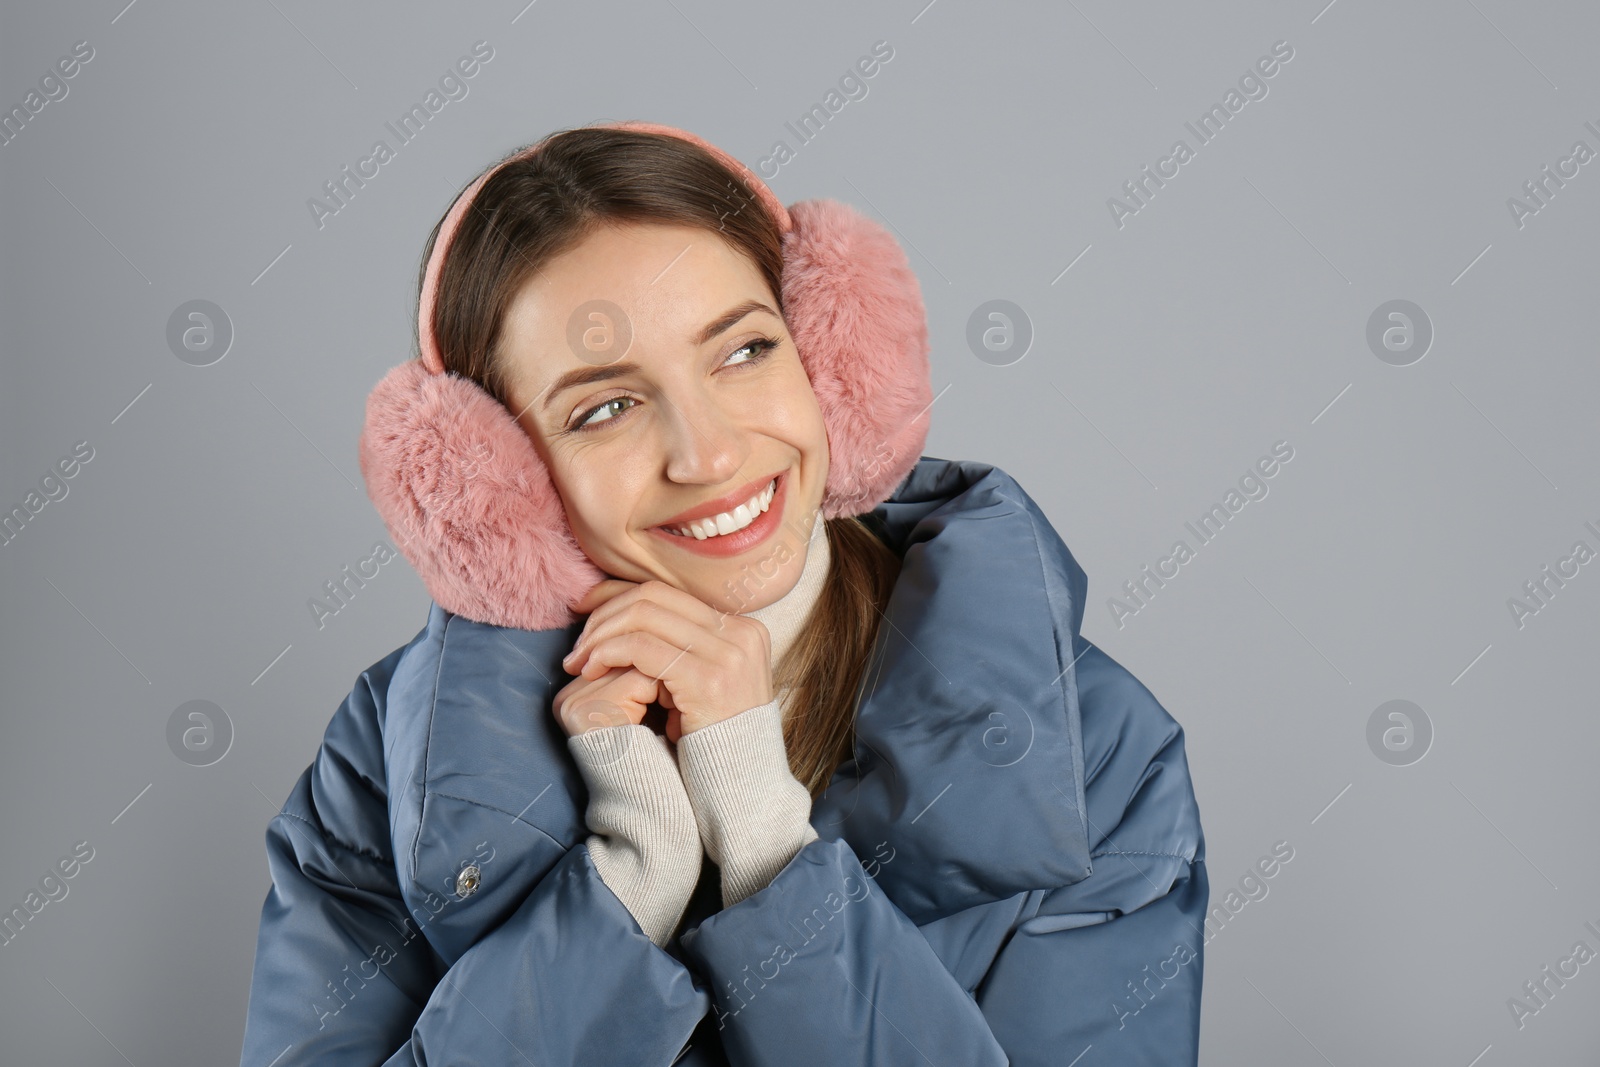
[(605, 372)]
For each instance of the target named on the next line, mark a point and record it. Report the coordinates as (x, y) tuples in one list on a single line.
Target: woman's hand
[(710, 665), (617, 697)]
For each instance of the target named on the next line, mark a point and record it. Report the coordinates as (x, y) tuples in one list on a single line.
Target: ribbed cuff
[(645, 842), (753, 814)]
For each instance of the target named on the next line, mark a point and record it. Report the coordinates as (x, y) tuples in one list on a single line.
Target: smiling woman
[(714, 652), (621, 291)]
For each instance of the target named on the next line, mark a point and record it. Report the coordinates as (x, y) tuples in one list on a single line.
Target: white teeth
[(728, 522)]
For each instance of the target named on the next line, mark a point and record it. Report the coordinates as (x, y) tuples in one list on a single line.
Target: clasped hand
[(650, 642)]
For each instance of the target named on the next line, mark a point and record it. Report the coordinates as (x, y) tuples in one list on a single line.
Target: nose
[(703, 444)]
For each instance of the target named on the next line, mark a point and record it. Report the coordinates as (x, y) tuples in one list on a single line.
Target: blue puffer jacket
[(1010, 870)]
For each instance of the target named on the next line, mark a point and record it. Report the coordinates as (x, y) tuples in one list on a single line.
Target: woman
[(739, 732)]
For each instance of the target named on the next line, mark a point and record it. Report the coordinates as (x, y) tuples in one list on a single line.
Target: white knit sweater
[(727, 789)]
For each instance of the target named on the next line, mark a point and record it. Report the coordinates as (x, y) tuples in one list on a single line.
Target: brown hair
[(534, 209)]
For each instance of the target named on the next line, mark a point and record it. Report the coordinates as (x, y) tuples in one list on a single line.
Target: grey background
[(1228, 314)]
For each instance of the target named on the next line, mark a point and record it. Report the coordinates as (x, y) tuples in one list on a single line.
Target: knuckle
[(755, 637)]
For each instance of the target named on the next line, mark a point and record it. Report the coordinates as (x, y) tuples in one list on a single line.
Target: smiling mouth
[(727, 522)]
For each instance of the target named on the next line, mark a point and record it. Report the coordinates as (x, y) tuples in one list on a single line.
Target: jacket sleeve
[(342, 976), (821, 966)]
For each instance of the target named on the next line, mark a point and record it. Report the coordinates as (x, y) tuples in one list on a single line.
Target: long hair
[(535, 209)]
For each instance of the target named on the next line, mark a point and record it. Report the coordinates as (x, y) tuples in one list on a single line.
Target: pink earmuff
[(472, 506)]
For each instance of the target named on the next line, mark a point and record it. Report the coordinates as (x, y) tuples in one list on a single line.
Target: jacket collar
[(969, 751), (967, 782)]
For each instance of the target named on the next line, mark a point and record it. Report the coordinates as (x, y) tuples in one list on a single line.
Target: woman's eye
[(759, 348), (588, 419)]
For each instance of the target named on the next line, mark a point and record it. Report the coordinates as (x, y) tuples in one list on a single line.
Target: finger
[(685, 603), (643, 614), (663, 616), (617, 683), (598, 713), (665, 662), (575, 690), (599, 593), (628, 689), (632, 684), (572, 688)]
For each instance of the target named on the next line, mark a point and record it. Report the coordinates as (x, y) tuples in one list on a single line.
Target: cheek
[(600, 490), (591, 509), (795, 413)]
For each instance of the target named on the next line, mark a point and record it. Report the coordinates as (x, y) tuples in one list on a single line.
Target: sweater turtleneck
[(785, 617)]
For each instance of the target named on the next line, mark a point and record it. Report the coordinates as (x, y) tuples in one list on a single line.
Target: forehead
[(657, 273), (654, 283)]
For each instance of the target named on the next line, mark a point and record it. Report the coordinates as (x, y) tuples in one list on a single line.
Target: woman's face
[(683, 406)]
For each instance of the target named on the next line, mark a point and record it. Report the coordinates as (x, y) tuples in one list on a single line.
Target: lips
[(728, 502), (737, 543), (727, 522)]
